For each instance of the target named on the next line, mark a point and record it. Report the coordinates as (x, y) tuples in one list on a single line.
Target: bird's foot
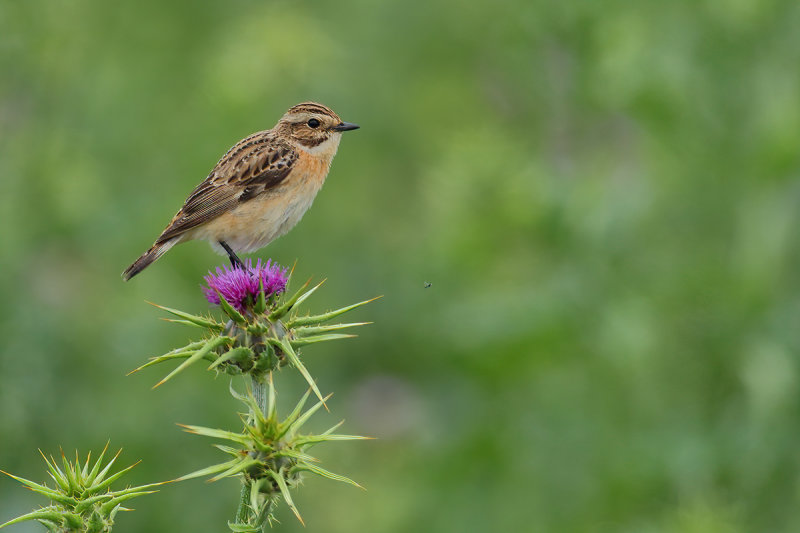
[(235, 261)]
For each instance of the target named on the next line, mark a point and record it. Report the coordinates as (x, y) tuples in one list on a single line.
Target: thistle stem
[(260, 395), (244, 503)]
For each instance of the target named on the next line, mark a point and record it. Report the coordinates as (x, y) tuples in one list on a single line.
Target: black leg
[(235, 261)]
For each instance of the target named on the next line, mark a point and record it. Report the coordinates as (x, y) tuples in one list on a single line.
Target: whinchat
[(259, 189)]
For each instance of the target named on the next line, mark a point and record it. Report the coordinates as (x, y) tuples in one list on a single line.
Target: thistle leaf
[(314, 330), (107, 507), (284, 426), (320, 338), (300, 456), (47, 513), (272, 404), (43, 490), (235, 469), (214, 469), (234, 315), (288, 304), (240, 353), (105, 470), (238, 438), (198, 320), (285, 492), (69, 473), (324, 317), (308, 293), (261, 300), (243, 528), (160, 359), (96, 468), (211, 344), (183, 322), (292, 356), (326, 473), (55, 473), (105, 483), (315, 439), (295, 426)]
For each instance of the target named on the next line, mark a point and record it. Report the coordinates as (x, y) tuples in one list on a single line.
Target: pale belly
[(257, 222)]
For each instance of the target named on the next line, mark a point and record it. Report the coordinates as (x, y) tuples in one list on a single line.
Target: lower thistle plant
[(81, 499), (260, 333)]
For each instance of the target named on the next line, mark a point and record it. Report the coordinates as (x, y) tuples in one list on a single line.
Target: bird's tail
[(155, 251)]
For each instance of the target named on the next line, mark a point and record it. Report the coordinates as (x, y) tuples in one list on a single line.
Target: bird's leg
[(235, 261)]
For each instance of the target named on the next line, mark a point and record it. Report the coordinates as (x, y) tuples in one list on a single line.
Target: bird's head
[(313, 127)]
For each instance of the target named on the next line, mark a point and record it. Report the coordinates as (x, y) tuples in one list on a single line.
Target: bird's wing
[(252, 167)]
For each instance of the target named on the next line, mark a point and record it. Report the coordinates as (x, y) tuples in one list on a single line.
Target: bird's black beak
[(345, 126)]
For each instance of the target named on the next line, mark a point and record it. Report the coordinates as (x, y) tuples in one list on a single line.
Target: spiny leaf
[(326, 473), (324, 317), (199, 354), (56, 473), (97, 487), (260, 304), (300, 456), (43, 490), (308, 293), (216, 433), (69, 473), (314, 439), (293, 429), (236, 527), (166, 357), (214, 469), (96, 468), (85, 471), (114, 502), (288, 304), (321, 338), (235, 469), (314, 330), (292, 356), (230, 450), (285, 492), (200, 321), (47, 513), (239, 353), (183, 322), (284, 426), (234, 315), (105, 470), (272, 404)]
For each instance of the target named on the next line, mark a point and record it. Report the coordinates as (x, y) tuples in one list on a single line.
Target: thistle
[(262, 332), (270, 455), (81, 498)]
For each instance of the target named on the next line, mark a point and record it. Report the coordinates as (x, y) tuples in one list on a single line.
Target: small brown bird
[(259, 189)]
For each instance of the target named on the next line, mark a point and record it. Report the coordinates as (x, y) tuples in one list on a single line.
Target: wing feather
[(252, 167)]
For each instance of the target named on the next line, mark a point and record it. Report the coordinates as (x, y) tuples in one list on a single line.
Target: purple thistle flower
[(236, 285)]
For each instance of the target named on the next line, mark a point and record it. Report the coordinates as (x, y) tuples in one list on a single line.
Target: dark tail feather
[(155, 251)]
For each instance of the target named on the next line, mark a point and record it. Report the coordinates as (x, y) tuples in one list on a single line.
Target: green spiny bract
[(269, 454), (81, 498), (265, 335)]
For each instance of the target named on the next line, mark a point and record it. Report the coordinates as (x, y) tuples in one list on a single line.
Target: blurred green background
[(603, 194)]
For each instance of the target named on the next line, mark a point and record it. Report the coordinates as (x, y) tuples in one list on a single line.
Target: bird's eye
[(313, 123)]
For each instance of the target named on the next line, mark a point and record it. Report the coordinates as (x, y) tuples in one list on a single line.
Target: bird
[(260, 188)]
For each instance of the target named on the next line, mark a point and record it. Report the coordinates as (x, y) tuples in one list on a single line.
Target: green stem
[(260, 395), (266, 525), (244, 503)]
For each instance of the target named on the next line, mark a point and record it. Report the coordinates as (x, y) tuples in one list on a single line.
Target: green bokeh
[(604, 196)]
